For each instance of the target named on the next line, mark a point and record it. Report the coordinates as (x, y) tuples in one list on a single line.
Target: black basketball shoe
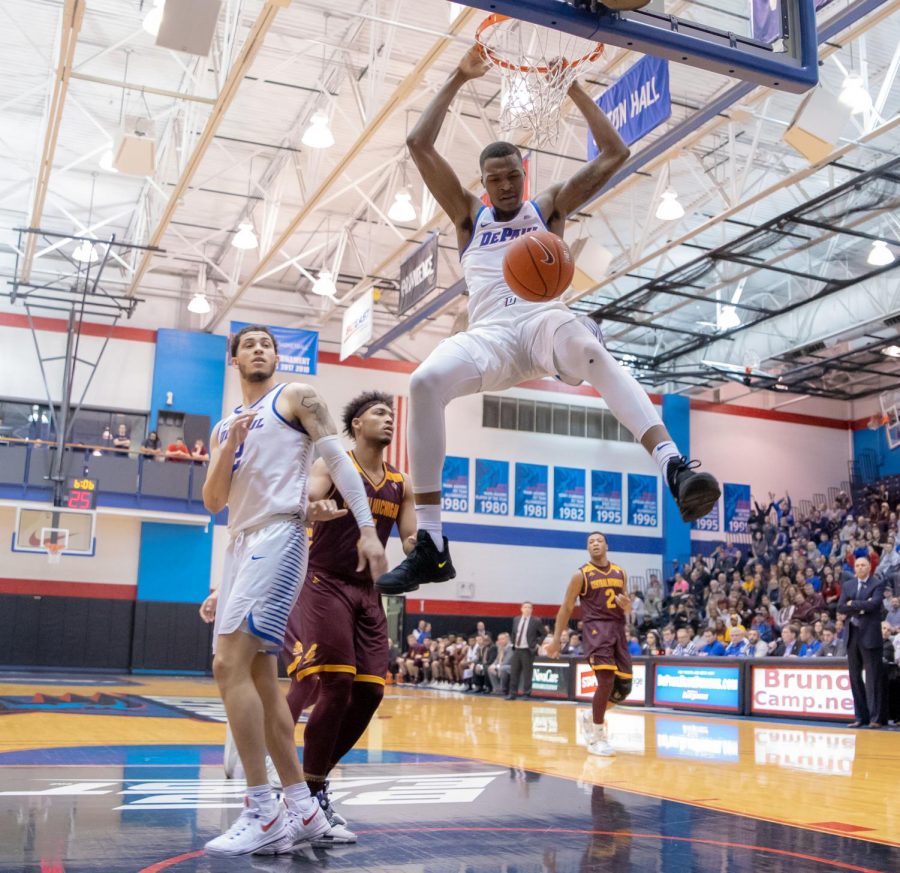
[(695, 493), (423, 564)]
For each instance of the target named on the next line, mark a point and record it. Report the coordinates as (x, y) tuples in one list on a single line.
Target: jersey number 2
[(610, 598)]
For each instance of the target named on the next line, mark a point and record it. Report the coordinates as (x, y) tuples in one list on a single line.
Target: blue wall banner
[(643, 507), (707, 687), (638, 102), (455, 485), (531, 490), (737, 507), (606, 497), (568, 494), (298, 349), (491, 487), (711, 521)]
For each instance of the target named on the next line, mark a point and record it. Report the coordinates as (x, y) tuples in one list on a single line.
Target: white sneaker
[(586, 722), (301, 827), (250, 832), (600, 744), (338, 834)]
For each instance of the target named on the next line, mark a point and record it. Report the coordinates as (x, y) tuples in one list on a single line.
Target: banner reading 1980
[(455, 485), (531, 490), (491, 487), (568, 494), (606, 497), (737, 507), (643, 508)]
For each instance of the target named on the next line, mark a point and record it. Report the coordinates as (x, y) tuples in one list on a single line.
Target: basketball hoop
[(536, 69), (54, 552), (54, 541)]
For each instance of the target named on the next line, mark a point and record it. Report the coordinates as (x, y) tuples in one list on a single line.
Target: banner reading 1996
[(737, 507), (455, 485), (491, 487), (568, 494), (643, 508), (531, 490), (606, 497)]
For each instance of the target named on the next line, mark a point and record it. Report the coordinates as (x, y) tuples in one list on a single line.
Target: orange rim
[(494, 19)]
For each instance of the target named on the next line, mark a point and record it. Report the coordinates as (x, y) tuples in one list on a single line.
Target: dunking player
[(510, 340), (601, 587), (259, 469), (336, 646)]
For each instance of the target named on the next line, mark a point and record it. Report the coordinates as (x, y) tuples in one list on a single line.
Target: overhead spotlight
[(245, 238), (727, 318), (855, 95), (106, 161), (402, 208), (891, 351), (880, 255), (85, 253), (199, 305), (669, 208), (153, 19), (324, 285), (318, 135)]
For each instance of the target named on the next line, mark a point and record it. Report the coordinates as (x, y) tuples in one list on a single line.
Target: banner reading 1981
[(643, 508), (491, 487), (568, 494), (455, 485), (606, 497), (531, 490), (737, 507)]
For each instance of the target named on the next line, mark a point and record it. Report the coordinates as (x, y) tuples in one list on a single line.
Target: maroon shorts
[(336, 627), (606, 647)]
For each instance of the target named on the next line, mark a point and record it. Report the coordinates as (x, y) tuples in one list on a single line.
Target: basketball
[(538, 266)]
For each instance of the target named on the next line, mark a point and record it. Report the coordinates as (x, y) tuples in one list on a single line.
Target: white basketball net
[(536, 65)]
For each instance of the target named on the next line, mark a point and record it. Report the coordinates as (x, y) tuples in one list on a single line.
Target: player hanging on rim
[(602, 587), (509, 340), (259, 468)]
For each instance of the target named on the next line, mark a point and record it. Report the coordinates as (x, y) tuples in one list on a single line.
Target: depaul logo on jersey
[(491, 237)]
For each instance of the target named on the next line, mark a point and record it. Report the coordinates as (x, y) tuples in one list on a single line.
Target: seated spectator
[(634, 646), (804, 611), (711, 646), (734, 623), (480, 682), (738, 646), (653, 644), (668, 638), (684, 647), (757, 647), (788, 646), (178, 451), (199, 452), (152, 446), (121, 440), (574, 649), (809, 645), (831, 589), (498, 669), (681, 586), (413, 659), (105, 443), (638, 609), (831, 647), (421, 633), (893, 615)]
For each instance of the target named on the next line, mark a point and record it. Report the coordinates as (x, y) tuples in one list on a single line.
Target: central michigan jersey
[(270, 475), (599, 587), (490, 298), (333, 549)]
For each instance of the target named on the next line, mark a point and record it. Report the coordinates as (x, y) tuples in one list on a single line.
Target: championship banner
[(737, 507), (455, 485), (637, 103), (711, 521), (298, 349), (531, 490), (643, 506), (766, 18), (606, 497), (491, 487), (418, 273), (568, 494), (356, 328)]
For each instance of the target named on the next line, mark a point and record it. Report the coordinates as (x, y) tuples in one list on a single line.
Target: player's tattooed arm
[(305, 405)]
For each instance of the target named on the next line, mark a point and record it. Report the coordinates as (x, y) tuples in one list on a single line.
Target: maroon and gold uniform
[(338, 624), (605, 644)]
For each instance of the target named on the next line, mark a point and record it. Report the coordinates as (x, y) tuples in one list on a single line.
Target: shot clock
[(80, 493)]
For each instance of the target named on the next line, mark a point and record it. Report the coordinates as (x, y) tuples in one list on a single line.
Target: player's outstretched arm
[(562, 616), (443, 183), (320, 506), (221, 461), (570, 196)]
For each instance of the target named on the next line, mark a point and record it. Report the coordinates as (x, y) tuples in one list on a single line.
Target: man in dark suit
[(526, 636), (861, 601)]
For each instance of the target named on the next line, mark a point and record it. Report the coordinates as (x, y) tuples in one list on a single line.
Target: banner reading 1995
[(491, 487), (455, 485), (606, 497), (643, 508), (710, 521), (568, 494), (737, 507), (531, 490)]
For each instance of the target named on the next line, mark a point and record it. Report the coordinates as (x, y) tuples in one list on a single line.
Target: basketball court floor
[(114, 774)]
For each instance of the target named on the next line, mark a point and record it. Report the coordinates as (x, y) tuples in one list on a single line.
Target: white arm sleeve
[(346, 478)]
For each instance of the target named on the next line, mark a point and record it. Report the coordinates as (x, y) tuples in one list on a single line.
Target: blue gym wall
[(887, 461), (676, 416)]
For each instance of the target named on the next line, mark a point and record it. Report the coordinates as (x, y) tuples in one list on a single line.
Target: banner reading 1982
[(643, 508), (606, 497), (737, 507), (568, 494), (491, 487), (531, 490), (455, 485)]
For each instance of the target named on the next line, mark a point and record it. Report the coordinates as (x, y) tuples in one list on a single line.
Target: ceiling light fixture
[(669, 208), (891, 351), (727, 318), (855, 95), (199, 304), (85, 253), (402, 208), (318, 135), (153, 19), (880, 255), (106, 161), (324, 285), (245, 238)]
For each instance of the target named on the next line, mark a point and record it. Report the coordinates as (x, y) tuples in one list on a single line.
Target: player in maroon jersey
[(602, 587), (336, 645)]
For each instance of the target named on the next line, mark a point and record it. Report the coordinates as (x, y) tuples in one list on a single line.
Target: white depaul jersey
[(490, 298), (270, 477)]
